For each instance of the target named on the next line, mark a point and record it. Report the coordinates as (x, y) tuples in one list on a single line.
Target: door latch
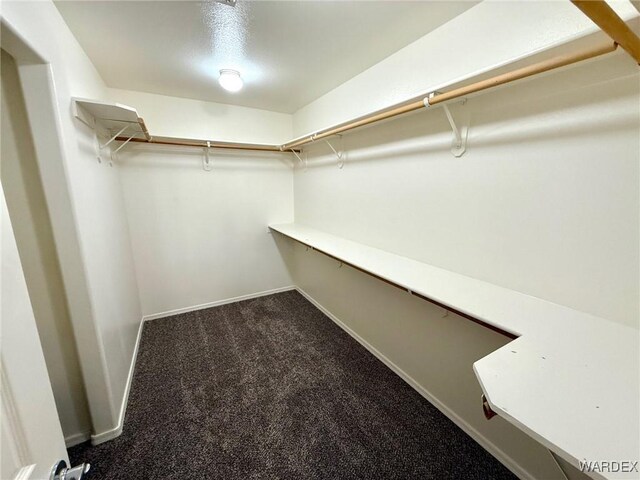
[(60, 471)]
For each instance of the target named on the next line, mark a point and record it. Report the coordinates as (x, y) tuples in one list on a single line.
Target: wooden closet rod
[(609, 22), (528, 71), (524, 72), (203, 143)]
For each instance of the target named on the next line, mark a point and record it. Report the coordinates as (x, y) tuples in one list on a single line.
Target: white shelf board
[(111, 116), (571, 380)]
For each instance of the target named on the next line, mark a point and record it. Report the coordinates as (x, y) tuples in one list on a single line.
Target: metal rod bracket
[(114, 137), (206, 161), (96, 145), (303, 162), (486, 408), (338, 153), (114, 153), (459, 143)]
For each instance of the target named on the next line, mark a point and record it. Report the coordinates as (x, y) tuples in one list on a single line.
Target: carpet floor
[(271, 388)]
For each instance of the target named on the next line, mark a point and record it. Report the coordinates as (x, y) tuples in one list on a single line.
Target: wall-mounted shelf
[(123, 124), (117, 119), (570, 380)]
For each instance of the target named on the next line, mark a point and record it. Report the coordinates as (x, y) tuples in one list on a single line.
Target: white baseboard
[(115, 432), (455, 418), (76, 438), (217, 303), (107, 435)]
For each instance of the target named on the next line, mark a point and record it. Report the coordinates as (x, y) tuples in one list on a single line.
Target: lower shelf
[(568, 379)]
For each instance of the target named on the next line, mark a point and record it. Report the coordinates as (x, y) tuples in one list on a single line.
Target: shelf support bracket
[(206, 162), (338, 153), (114, 153), (114, 137), (459, 142), (124, 143)]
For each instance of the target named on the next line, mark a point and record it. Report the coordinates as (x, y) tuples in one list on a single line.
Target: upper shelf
[(571, 380), (114, 117), (124, 124)]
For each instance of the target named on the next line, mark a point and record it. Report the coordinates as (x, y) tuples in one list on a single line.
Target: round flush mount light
[(230, 80)]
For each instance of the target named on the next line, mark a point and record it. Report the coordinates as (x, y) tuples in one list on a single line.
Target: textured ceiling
[(288, 52)]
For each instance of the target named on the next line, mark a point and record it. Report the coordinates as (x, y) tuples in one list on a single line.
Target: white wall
[(201, 237), (545, 200), (533, 169), (186, 118), (85, 204)]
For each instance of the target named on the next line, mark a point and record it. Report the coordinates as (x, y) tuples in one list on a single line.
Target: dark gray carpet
[(271, 388)]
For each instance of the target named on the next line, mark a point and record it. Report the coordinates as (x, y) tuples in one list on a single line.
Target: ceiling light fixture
[(230, 80)]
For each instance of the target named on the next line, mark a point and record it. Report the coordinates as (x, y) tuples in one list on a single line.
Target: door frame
[(41, 96)]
